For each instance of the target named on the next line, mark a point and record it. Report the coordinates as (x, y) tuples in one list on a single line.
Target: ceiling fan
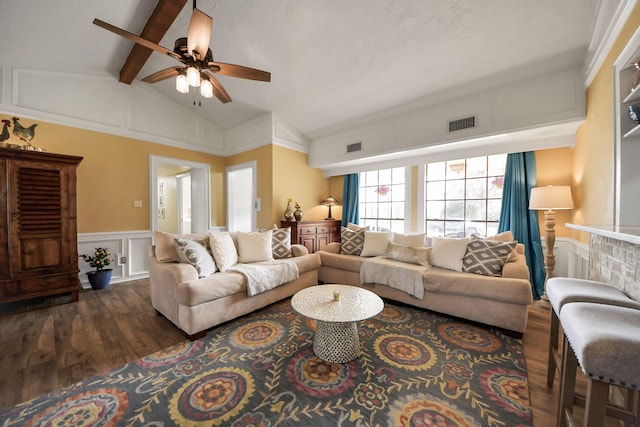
[(193, 51)]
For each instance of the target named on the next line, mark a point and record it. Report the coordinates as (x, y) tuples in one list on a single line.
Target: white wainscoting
[(572, 257), (134, 245)]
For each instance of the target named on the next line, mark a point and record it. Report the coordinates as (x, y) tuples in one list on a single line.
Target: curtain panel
[(350, 199), (515, 216)]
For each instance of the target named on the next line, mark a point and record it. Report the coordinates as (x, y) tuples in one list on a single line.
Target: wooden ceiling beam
[(161, 18)]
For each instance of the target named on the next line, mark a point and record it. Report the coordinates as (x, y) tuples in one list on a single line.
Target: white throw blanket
[(399, 275), (263, 276)]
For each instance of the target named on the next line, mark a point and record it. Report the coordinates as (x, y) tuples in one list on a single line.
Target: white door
[(184, 203), (242, 204)]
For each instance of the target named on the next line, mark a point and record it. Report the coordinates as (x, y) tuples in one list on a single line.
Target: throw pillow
[(195, 252), (505, 236), (356, 227), (376, 242), (487, 257), (281, 243), (166, 246), (414, 240), (448, 252), (255, 246), (223, 250), (352, 241), (408, 254)]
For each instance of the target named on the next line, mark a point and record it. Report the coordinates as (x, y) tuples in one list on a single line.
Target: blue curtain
[(519, 179), (350, 195)]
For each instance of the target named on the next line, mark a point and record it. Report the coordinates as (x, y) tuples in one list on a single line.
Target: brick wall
[(616, 263)]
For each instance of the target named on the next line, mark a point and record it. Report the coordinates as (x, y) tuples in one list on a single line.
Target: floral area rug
[(416, 369)]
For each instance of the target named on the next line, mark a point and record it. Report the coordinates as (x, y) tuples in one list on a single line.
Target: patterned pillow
[(408, 254), (352, 241), (281, 243), (224, 250), (487, 257), (195, 252)]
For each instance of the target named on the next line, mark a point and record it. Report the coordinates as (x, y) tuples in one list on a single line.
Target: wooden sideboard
[(314, 235), (38, 234)]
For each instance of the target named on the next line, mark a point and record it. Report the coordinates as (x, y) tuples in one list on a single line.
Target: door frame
[(200, 192)]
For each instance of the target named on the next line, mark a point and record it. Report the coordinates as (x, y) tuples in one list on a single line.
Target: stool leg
[(567, 383), (595, 406), (553, 348)]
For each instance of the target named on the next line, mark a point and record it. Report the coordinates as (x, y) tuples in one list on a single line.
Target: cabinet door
[(4, 231), (309, 242), (322, 241), (39, 216)]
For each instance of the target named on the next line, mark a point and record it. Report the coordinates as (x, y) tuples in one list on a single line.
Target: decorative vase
[(288, 213), (634, 112), (99, 279), (298, 214)]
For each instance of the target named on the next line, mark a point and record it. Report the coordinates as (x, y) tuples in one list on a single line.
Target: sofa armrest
[(299, 250), (517, 269), (333, 247), (171, 272)]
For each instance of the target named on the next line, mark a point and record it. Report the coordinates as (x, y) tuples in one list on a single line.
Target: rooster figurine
[(5, 130), (25, 134)]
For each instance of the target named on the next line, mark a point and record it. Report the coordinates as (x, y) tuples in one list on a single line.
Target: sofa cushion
[(223, 250), (376, 242), (166, 246), (515, 291), (448, 252), (352, 241), (220, 285), (414, 240), (487, 257), (281, 243), (255, 246), (195, 252), (408, 254), (341, 262)]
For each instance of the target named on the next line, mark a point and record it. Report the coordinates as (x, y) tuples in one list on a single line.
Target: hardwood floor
[(46, 349)]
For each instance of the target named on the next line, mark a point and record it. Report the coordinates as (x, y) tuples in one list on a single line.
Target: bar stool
[(605, 341), (563, 290)]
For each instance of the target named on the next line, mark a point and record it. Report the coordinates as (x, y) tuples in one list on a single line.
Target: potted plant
[(99, 278)]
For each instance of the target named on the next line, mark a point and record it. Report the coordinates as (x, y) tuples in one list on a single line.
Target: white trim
[(611, 16)]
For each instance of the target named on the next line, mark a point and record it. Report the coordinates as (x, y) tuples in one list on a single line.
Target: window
[(464, 197), (382, 196)]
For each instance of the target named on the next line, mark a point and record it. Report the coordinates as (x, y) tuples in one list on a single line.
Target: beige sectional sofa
[(498, 301), (196, 304)]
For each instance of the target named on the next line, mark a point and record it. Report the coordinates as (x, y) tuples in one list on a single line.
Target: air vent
[(466, 123), (354, 147)]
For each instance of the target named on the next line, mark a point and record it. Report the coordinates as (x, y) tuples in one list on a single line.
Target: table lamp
[(550, 199), (329, 201)]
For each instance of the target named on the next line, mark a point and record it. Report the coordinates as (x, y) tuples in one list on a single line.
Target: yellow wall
[(593, 156), (293, 178), (554, 167), (113, 173)]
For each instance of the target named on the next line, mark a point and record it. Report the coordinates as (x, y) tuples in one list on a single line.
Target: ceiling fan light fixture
[(193, 76), (182, 85), (206, 89)]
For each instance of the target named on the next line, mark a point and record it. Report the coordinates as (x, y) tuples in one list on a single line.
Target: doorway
[(184, 202), (242, 203), (199, 193)]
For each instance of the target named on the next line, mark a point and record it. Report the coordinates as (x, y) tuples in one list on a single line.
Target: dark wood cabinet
[(314, 235), (38, 232)]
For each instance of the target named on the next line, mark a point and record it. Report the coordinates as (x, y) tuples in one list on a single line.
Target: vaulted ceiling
[(332, 61)]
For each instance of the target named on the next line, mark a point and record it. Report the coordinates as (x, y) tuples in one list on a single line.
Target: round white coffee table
[(336, 339)]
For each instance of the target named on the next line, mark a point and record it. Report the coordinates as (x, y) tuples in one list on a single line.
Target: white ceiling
[(333, 62)]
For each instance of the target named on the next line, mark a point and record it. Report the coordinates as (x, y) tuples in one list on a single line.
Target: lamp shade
[(182, 85), (551, 197), (329, 201)]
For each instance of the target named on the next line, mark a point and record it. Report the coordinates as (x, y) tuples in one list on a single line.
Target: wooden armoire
[(38, 232)]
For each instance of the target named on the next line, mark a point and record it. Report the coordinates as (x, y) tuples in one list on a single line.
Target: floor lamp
[(550, 199)]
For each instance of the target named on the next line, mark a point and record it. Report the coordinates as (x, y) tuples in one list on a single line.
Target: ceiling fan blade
[(218, 90), (143, 42), (162, 75), (241, 72), (199, 35)]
